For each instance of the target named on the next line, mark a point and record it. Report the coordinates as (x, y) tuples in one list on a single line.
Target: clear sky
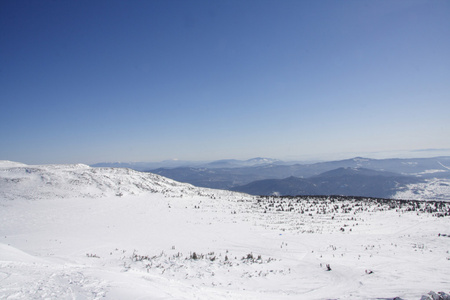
[(92, 81)]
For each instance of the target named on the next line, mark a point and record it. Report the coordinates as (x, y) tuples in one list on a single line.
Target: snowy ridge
[(78, 180), (10, 164)]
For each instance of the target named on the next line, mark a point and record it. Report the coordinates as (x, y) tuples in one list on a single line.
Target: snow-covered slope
[(75, 232), (10, 164), (431, 189), (65, 181)]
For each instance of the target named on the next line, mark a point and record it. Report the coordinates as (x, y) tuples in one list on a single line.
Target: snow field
[(136, 240), (432, 189)]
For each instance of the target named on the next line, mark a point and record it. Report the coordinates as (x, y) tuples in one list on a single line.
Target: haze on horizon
[(84, 81)]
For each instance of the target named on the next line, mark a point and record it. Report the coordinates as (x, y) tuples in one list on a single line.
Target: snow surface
[(431, 189), (76, 232)]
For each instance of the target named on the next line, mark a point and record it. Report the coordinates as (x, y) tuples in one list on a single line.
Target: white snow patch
[(431, 189)]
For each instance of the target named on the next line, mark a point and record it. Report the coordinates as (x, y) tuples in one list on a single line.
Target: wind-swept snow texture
[(75, 232)]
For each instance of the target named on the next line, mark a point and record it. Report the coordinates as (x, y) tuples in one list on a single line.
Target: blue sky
[(92, 81)]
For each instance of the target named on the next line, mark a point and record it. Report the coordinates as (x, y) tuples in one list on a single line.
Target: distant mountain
[(234, 163), (223, 163), (341, 181), (232, 174), (144, 166), (229, 177), (269, 168), (170, 164)]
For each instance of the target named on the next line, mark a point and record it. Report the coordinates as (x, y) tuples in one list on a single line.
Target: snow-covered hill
[(65, 181), (430, 189), (75, 232)]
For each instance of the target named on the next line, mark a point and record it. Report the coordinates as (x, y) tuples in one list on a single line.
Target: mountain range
[(175, 163), (357, 176)]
